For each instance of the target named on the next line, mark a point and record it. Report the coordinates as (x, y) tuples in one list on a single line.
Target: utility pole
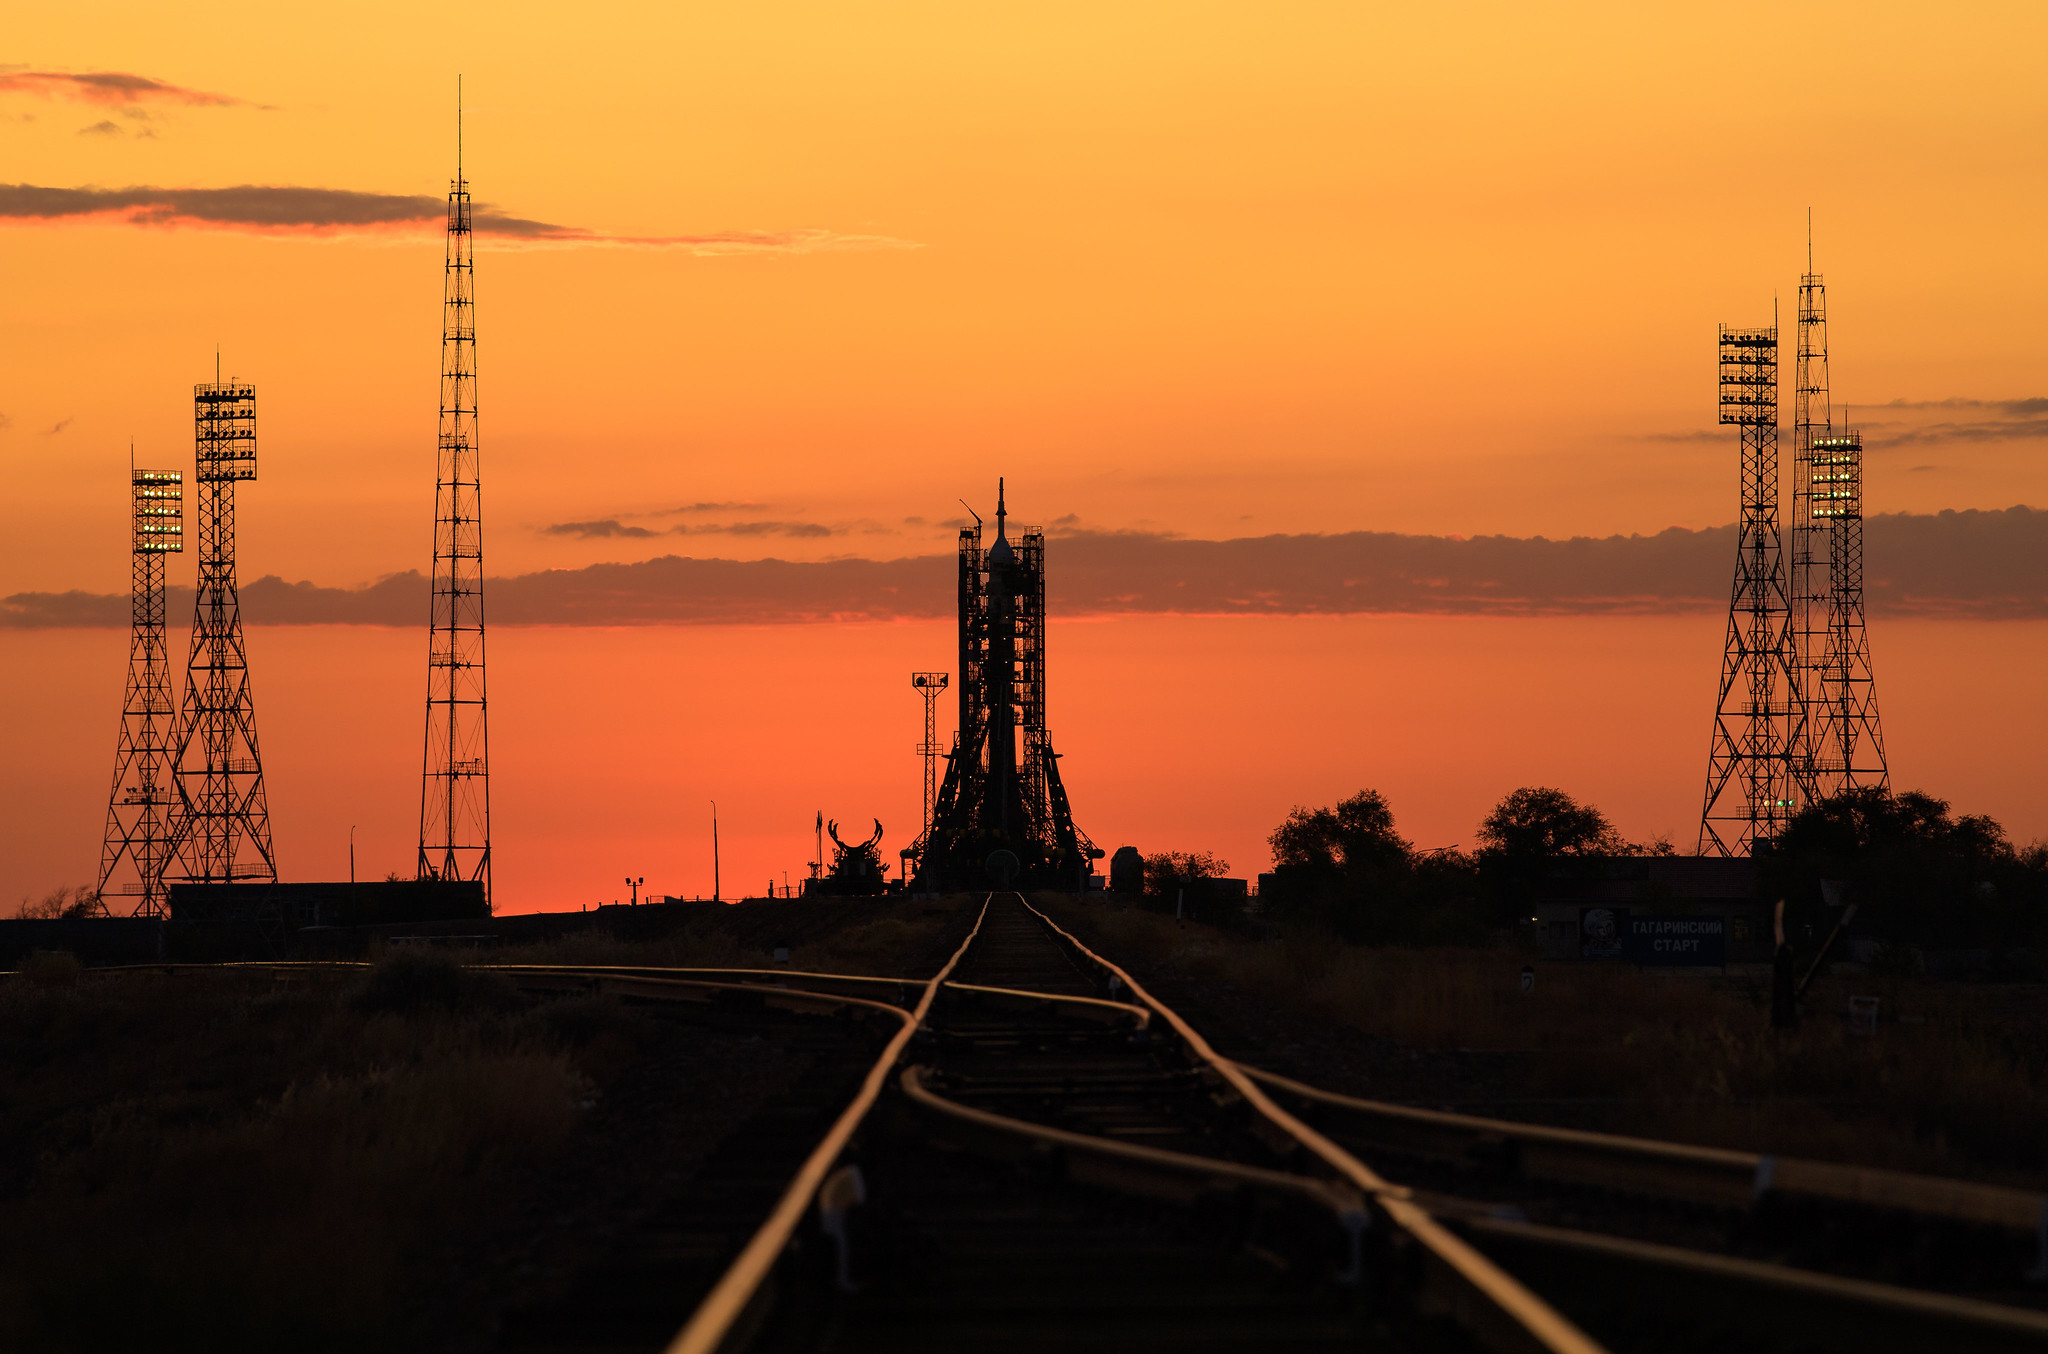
[(714, 851)]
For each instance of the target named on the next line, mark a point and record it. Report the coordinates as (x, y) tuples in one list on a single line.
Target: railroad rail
[(1041, 1152)]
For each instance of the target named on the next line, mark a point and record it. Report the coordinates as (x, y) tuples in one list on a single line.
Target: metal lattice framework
[(139, 807), (930, 685), (1843, 713), (1810, 586), (1002, 789), (455, 794), (221, 819), (1758, 716)]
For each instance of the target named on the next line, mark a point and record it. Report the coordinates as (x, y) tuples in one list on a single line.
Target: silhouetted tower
[(1750, 781), (1843, 712), (455, 796), (930, 685), (221, 821), (139, 806), (1002, 790), (1810, 585)]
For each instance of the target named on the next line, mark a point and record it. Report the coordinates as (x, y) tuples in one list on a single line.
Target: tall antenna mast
[(455, 790), (139, 807), (1811, 585)]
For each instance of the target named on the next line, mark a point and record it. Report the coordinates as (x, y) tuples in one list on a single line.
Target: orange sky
[(1217, 270)]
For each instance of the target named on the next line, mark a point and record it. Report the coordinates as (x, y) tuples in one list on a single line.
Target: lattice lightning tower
[(139, 807), (455, 794), (1750, 781), (930, 685), (1811, 582), (221, 821)]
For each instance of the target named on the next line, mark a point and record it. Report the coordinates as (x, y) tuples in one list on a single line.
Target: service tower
[(1002, 817)]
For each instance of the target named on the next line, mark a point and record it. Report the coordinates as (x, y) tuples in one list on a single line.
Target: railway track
[(1028, 1150)]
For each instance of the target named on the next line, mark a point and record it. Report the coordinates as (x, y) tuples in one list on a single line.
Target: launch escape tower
[(1844, 746), (455, 793), (930, 685), (1001, 816), (220, 830), (139, 807), (1759, 716)]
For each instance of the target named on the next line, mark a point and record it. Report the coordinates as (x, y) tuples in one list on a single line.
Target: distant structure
[(455, 792), (139, 807), (1755, 762), (220, 830), (1844, 743), (930, 685), (1848, 738), (1001, 817)]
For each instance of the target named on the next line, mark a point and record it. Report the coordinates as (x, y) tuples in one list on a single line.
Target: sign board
[(1649, 938)]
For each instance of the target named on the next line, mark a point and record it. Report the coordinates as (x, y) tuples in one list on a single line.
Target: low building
[(1658, 911)]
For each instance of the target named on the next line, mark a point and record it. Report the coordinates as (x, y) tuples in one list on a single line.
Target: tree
[(1917, 872), (1538, 823), (1358, 834), (61, 902), (1347, 870)]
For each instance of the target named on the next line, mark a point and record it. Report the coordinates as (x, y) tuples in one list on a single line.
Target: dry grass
[(889, 938), (1957, 1087), (215, 1162)]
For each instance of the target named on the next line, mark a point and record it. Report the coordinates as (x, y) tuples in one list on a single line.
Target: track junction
[(1029, 1150)]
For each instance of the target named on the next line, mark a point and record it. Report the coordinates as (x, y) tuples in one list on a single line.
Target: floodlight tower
[(455, 792), (930, 685), (1845, 706), (221, 821), (139, 805), (1750, 772)]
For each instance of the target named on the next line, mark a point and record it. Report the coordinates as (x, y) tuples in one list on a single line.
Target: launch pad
[(1002, 819)]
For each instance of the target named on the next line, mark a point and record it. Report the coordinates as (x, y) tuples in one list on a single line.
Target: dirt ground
[(383, 1158), (1954, 1082)]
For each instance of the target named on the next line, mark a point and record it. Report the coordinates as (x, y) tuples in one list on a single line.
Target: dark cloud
[(797, 529), (1991, 565), (112, 87), (2031, 406), (1695, 435), (281, 209), (591, 531), (59, 426), (101, 129), (5, 422), (611, 527), (712, 507)]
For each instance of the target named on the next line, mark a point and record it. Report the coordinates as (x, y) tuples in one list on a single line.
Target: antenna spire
[(458, 129)]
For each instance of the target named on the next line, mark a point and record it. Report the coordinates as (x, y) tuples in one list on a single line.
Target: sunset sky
[(787, 281)]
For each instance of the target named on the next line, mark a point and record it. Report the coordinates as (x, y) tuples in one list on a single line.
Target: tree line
[(1919, 873)]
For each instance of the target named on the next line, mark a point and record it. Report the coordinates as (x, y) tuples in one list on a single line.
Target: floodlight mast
[(1753, 769), (139, 807), (221, 821), (455, 793)]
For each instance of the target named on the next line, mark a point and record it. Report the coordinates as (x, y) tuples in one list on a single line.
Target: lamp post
[(634, 884), (714, 850)]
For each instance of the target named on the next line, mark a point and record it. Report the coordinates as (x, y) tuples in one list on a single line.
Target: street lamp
[(634, 884), (714, 850)]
